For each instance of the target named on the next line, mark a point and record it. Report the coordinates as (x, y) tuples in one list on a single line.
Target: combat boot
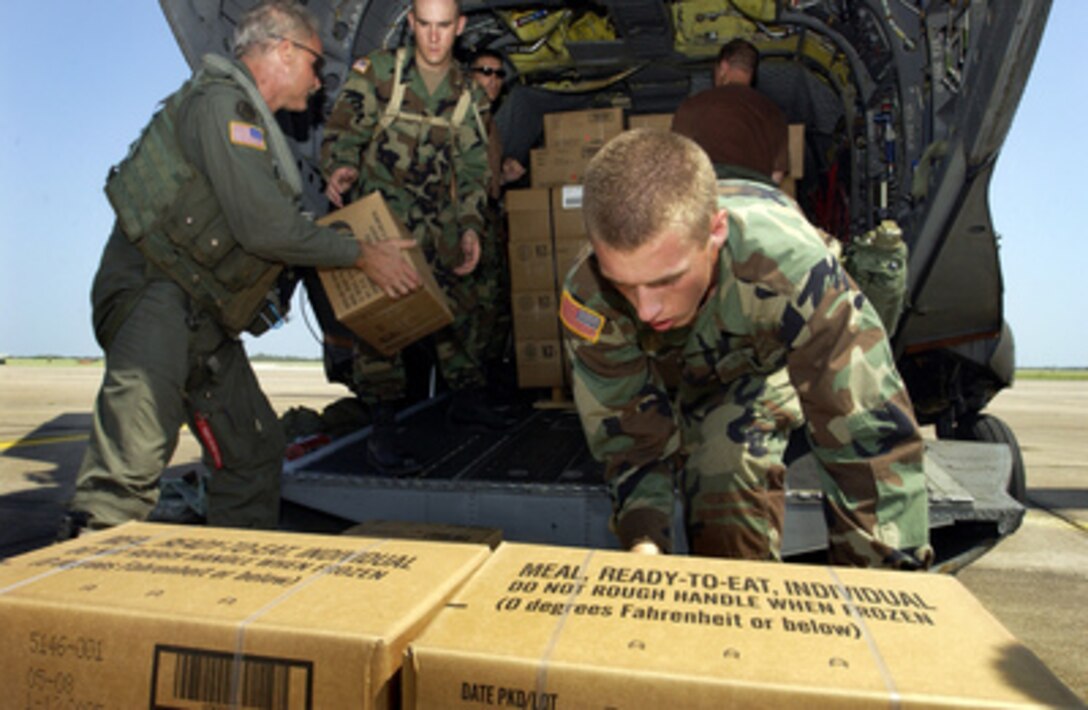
[(382, 452), (469, 411), (72, 525)]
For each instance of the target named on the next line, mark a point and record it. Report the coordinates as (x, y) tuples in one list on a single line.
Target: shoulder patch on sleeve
[(584, 322), (247, 134), (361, 65)]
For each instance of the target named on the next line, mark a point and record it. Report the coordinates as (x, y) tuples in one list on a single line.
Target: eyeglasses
[(319, 61), (490, 71)]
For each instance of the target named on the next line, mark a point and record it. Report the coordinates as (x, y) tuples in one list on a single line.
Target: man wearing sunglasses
[(208, 215), (495, 324), (410, 124)]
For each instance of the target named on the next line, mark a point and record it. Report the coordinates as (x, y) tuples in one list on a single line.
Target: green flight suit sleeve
[(258, 207), (624, 408)]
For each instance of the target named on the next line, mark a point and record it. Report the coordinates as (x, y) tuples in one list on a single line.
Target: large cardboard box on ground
[(166, 616), (385, 323), (590, 127), (549, 627)]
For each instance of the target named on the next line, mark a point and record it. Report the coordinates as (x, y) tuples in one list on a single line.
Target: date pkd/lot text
[(548, 627), (181, 616)]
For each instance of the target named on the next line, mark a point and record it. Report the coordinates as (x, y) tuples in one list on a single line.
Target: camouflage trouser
[(494, 321), (164, 369), (733, 481)]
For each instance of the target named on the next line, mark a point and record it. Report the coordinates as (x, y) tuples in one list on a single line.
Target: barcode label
[(189, 678)]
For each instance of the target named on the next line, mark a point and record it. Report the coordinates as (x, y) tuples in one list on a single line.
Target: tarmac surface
[(1035, 581)]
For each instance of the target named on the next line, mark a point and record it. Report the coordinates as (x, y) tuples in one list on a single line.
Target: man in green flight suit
[(208, 214), (410, 124), (697, 297)]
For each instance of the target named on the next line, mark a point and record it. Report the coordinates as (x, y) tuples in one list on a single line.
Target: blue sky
[(80, 79)]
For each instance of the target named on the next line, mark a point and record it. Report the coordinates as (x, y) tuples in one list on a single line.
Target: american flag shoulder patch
[(584, 322), (361, 65), (247, 134)]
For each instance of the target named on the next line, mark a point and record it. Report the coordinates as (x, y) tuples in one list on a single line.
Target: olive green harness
[(168, 210)]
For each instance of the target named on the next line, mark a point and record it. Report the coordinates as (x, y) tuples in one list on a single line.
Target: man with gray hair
[(208, 215)]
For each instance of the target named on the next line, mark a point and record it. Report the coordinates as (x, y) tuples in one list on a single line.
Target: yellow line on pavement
[(42, 441)]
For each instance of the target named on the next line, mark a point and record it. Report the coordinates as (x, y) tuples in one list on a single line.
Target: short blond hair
[(643, 181)]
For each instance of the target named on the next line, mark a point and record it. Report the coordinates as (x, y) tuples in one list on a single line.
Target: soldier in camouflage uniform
[(411, 125), (493, 275), (207, 205), (697, 302)]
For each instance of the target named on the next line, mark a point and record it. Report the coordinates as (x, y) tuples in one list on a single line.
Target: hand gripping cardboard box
[(385, 323), (550, 628), (165, 616)]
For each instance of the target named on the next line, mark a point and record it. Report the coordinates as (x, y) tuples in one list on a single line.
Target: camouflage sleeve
[(352, 121), (624, 408), (860, 421), (473, 170)]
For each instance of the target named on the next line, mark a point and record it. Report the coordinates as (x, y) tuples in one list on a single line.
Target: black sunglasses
[(319, 61), (490, 71)]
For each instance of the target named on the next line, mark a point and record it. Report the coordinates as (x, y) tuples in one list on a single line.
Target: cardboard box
[(540, 363), (553, 167), (535, 315), (386, 324), (532, 266), (551, 627), (567, 254), (528, 215), (657, 121), (573, 129), (433, 532), (159, 616), (797, 150), (567, 219)]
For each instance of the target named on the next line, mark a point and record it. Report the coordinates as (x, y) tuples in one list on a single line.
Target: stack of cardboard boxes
[(547, 235)]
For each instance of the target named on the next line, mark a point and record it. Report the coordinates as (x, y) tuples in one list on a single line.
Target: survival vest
[(168, 210)]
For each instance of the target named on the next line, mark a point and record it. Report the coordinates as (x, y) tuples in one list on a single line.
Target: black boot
[(72, 525), (469, 411), (382, 452)]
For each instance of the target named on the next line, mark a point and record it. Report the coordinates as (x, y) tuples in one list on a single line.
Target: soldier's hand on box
[(384, 264), (470, 250), (338, 183)]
